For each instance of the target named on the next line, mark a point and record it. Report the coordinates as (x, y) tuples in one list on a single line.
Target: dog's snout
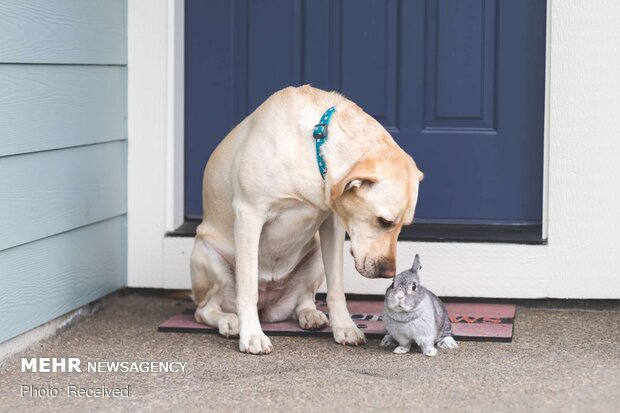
[(387, 269)]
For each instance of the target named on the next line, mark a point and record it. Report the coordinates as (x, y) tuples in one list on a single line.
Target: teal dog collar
[(320, 137)]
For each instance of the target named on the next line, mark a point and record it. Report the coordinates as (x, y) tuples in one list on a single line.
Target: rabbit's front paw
[(431, 352)]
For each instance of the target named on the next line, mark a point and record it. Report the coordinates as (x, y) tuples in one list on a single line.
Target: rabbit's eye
[(414, 286)]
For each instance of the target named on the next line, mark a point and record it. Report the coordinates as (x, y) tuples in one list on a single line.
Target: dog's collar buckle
[(320, 137), (320, 131)]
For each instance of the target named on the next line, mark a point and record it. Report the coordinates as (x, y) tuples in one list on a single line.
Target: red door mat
[(470, 321)]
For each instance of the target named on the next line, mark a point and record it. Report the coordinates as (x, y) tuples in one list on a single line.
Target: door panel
[(458, 83), (274, 36), (460, 65)]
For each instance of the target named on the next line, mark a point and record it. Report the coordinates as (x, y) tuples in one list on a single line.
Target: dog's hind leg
[(297, 300), (212, 315), (309, 317), (210, 279), (307, 280)]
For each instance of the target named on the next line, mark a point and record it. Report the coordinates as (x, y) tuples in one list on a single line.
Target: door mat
[(470, 321)]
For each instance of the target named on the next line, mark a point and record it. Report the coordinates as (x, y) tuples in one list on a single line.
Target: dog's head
[(374, 200)]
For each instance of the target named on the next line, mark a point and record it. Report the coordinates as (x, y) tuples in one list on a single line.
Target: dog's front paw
[(311, 319), (257, 343), (228, 325), (349, 335)]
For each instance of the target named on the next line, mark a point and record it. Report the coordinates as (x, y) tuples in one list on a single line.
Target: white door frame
[(155, 198)]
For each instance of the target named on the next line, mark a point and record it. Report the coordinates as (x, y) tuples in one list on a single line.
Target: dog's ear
[(363, 172), (415, 177)]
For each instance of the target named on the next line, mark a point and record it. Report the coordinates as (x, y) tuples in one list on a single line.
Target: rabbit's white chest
[(421, 328)]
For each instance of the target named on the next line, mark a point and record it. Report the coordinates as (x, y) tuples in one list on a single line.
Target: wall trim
[(27, 339), (175, 150), (155, 134)]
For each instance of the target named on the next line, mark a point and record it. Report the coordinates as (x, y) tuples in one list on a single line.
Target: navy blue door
[(458, 83)]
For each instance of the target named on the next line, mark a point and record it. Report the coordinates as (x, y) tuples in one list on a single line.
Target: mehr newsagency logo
[(75, 365)]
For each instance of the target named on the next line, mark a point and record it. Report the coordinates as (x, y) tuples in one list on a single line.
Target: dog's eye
[(414, 286), (385, 223)]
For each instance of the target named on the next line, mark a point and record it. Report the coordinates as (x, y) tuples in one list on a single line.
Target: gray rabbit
[(413, 313)]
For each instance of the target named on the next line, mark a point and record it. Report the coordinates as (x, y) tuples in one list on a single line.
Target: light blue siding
[(45, 279), (63, 31), (45, 193), (47, 107), (63, 157)]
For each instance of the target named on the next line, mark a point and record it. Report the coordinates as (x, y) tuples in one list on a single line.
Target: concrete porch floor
[(560, 360)]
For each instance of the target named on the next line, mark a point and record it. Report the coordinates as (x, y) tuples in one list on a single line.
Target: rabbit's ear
[(416, 264)]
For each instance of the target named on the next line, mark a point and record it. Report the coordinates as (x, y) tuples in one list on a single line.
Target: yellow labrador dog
[(274, 227)]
